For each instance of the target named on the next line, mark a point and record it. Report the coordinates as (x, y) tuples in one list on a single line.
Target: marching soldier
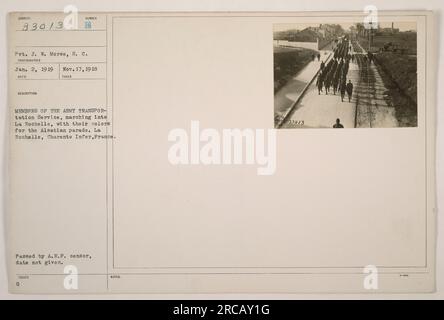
[(342, 88), (327, 82), (335, 82), (319, 83), (349, 90)]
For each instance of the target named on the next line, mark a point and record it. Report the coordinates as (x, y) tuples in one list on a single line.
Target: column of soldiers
[(333, 76)]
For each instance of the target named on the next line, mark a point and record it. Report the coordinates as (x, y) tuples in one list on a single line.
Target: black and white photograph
[(346, 75)]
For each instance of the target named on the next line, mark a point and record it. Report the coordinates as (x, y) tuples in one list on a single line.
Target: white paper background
[(202, 5)]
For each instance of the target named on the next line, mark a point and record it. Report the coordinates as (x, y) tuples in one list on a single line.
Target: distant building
[(386, 31)]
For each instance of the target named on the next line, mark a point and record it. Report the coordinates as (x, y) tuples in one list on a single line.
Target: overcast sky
[(402, 26)]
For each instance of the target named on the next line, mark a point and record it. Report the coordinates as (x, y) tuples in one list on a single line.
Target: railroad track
[(365, 89)]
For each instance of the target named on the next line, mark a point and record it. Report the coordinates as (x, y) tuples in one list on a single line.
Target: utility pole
[(370, 36)]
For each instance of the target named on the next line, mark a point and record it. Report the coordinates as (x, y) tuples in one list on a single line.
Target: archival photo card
[(156, 152)]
